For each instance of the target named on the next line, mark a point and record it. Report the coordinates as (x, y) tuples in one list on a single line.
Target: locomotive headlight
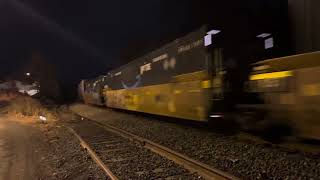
[(216, 116)]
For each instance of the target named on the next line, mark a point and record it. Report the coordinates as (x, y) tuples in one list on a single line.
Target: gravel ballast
[(243, 159), (66, 158), (126, 159)]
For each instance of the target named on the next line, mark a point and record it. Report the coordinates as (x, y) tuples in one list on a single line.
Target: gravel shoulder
[(243, 159), (66, 157), (31, 150), (19, 153)]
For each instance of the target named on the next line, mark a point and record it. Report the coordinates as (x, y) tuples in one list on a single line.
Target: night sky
[(85, 38), (86, 32)]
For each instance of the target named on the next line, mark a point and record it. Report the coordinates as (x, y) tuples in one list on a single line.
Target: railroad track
[(123, 155)]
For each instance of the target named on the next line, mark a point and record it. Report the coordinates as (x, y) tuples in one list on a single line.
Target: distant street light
[(28, 74)]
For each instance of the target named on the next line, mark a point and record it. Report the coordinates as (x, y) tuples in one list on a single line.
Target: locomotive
[(187, 78), (282, 90), (215, 73), (290, 89)]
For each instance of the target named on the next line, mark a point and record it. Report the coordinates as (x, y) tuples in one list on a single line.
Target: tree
[(45, 73)]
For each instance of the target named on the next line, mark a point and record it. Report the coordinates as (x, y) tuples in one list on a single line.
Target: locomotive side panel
[(307, 102), (169, 81)]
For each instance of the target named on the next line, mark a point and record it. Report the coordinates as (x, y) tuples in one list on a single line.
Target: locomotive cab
[(290, 89)]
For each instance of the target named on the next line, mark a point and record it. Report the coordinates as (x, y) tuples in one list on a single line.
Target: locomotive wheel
[(260, 123), (275, 131), (249, 119)]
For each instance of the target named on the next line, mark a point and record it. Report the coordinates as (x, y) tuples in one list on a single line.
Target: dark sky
[(84, 38), (91, 35)]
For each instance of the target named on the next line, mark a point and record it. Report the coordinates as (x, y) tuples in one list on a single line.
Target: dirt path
[(19, 150), (30, 150)]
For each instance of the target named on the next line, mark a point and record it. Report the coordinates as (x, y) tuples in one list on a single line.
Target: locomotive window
[(208, 38), (268, 43)]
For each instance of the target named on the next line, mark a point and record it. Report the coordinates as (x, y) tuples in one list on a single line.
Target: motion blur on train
[(220, 73)]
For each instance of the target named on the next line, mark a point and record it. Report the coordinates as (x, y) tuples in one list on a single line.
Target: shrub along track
[(123, 155)]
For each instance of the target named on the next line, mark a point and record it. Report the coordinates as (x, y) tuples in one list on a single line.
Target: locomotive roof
[(293, 62), (151, 54)]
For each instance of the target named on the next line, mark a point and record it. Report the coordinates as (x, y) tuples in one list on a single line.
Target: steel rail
[(94, 156)]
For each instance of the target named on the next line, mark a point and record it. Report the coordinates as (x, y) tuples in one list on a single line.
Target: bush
[(27, 106)]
